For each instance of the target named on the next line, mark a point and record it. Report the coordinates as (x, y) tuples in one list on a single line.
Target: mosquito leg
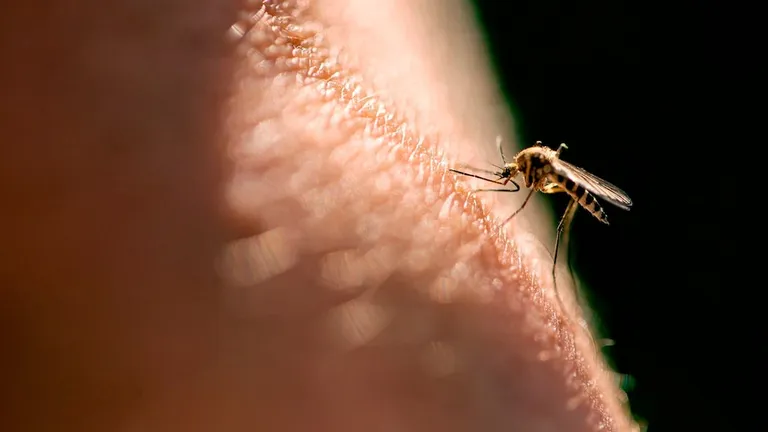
[(551, 188), (561, 148), (566, 240), (566, 219), (493, 190), (476, 176), (502, 183), (522, 206), (564, 225)]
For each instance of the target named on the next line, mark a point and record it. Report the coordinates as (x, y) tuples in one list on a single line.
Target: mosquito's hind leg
[(565, 220), (563, 226)]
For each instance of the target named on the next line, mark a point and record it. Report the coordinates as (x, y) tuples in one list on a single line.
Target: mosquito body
[(542, 170)]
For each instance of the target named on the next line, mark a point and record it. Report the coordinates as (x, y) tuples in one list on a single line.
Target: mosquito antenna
[(501, 149)]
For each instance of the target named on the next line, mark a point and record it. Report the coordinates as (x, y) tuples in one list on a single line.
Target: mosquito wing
[(594, 184)]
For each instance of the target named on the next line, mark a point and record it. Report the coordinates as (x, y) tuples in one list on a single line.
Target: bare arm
[(363, 288)]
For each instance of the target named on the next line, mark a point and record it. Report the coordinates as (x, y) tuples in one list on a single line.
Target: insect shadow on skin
[(543, 171)]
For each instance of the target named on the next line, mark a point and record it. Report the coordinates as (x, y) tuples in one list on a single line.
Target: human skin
[(262, 234)]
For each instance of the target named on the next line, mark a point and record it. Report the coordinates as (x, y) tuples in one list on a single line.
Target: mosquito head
[(509, 170)]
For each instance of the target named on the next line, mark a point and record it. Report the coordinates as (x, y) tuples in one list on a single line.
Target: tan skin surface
[(331, 277)]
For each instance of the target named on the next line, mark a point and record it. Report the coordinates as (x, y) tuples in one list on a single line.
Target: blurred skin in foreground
[(251, 227)]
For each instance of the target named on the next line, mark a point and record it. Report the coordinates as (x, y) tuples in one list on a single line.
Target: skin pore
[(261, 233)]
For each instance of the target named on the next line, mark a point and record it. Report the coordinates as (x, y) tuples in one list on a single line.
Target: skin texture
[(260, 232)]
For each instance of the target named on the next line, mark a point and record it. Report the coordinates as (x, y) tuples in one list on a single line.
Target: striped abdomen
[(580, 194)]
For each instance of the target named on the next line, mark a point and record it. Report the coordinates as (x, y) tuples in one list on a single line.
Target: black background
[(613, 80)]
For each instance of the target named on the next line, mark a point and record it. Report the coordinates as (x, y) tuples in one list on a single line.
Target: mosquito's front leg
[(503, 183), (493, 190), (476, 176)]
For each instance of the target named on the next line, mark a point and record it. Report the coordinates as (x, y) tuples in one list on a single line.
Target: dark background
[(613, 80)]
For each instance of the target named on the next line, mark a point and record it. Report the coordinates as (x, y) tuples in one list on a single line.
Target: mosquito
[(544, 171)]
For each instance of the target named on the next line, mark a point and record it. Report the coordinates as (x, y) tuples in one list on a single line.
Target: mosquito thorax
[(531, 162)]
